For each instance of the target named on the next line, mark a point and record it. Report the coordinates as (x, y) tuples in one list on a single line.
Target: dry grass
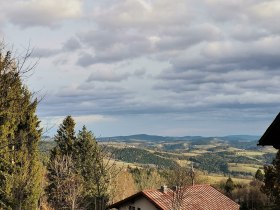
[(250, 153), (250, 168), (214, 179)]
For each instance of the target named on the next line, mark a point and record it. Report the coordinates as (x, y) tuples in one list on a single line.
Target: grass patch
[(240, 167), (215, 179)]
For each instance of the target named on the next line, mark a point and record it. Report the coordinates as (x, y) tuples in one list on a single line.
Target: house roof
[(199, 197), (272, 134)]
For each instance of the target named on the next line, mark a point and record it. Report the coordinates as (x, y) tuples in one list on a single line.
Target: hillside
[(237, 155)]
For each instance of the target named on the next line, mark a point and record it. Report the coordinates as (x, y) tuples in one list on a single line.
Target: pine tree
[(229, 187), (62, 175), (94, 170), (65, 139), (10, 86), (28, 172), (20, 168)]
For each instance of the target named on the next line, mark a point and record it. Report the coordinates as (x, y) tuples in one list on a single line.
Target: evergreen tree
[(272, 180), (259, 175), (20, 169), (93, 169), (65, 139), (62, 175), (28, 172), (229, 187)]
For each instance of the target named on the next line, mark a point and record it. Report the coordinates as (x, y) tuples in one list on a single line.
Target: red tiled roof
[(197, 197)]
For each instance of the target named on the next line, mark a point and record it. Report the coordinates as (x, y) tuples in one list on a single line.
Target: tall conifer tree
[(94, 169), (65, 138), (62, 175), (20, 168)]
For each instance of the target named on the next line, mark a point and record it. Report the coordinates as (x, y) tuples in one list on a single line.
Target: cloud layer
[(209, 59)]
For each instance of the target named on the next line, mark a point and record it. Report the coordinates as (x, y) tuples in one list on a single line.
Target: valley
[(237, 156)]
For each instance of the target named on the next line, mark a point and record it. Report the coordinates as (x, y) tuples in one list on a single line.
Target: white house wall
[(141, 203)]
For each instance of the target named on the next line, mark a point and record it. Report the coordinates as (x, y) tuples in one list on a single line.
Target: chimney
[(163, 189)]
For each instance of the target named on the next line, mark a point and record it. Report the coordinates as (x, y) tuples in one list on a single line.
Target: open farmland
[(237, 156), (217, 157)]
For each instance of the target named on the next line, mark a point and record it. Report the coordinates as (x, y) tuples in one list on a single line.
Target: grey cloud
[(223, 58), (71, 45), (111, 47), (87, 100), (187, 30), (25, 18), (139, 72), (109, 76), (145, 15), (247, 32), (85, 60), (232, 55), (125, 35), (41, 13), (44, 53), (184, 39)]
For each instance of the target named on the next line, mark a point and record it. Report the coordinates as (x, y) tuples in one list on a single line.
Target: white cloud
[(267, 9), (92, 118), (28, 13)]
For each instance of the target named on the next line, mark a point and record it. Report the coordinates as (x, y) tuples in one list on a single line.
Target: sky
[(162, 67)]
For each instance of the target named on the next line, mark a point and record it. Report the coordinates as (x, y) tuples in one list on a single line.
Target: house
[(196, 197), (272, 134)]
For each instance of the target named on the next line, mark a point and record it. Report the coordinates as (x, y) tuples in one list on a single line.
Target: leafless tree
[(180, 178), (68, 184)]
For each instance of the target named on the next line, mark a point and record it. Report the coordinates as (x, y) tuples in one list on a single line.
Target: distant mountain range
[(155, 138)]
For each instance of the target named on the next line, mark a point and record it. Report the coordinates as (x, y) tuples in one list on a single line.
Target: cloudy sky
[(180, 67)]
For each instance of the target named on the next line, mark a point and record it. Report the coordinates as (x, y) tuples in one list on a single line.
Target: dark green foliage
[(217, 162), (90, 170), (45, 147), (259, 175), (142, 156), (20, 169), (175, 146), (272, 179), (229, 186), (65, 138), (211, 163), (61, 167), (90, 164), (171, 155)]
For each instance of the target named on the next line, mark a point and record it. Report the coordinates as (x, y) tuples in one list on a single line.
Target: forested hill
[(172, 142), (234, 154), (177, 143), (145, 137)]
